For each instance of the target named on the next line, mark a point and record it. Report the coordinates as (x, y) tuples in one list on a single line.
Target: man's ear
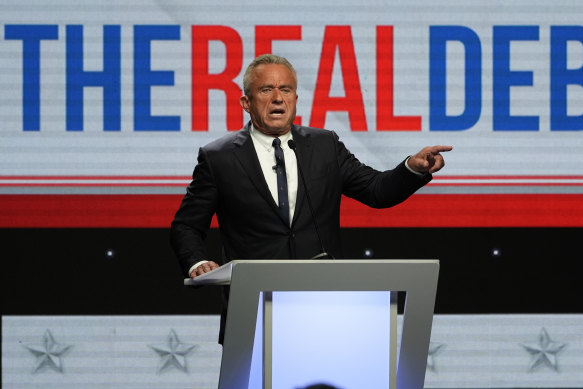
[(244, 101)]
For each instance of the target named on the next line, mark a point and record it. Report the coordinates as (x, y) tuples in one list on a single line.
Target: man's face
[(272, 104)]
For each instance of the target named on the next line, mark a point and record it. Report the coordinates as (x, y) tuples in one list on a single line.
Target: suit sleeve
[(372, 187), (192, 220)]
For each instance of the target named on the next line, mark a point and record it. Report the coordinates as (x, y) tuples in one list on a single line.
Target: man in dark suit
[(252, 180)]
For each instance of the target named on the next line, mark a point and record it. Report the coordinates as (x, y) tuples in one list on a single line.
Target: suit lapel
[(247, 156), (304, 152)]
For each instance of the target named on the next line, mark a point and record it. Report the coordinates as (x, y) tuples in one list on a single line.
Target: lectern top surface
[(222, 275)]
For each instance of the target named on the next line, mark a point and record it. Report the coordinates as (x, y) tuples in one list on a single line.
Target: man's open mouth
[(277, 112)]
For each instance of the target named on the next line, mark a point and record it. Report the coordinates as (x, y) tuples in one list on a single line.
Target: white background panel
[(466, 351)]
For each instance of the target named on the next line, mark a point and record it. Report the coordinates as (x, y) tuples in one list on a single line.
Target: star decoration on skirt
[(172, 353), (48, 354), (544, 351), (434, 349)]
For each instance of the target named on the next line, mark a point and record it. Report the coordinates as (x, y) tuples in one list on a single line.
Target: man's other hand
[(203, 268)]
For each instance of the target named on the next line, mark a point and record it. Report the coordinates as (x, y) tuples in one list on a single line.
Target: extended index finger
[(440, 149)]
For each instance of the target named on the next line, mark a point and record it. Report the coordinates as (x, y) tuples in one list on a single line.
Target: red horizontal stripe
[(471, 210), (421, 210)]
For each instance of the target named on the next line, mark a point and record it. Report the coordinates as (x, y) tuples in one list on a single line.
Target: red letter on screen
[(203, 81), (338, 37), (386, 119), (265, 35)]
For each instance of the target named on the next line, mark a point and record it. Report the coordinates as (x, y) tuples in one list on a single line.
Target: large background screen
[(104, 105)]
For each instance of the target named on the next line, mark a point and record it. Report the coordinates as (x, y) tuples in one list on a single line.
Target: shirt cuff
[(411, 170), (195, 266)]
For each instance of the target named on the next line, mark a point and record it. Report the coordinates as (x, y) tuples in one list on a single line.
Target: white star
[(544, 351), (48, 354), (434, 349), (172, 353)]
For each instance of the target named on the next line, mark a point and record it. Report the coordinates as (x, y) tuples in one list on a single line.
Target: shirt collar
[(266, 141)]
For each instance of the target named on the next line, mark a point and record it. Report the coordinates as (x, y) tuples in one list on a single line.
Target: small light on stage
[(496, 253), (109, 254), (368, 253)]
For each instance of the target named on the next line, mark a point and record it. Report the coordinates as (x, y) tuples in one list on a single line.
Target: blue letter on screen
[(438, 119), (109, 78), (561, 77), (31, 35), (504, 78), (145, 78)]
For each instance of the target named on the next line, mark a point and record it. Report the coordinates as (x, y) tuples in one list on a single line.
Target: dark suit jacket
[(228, 180)]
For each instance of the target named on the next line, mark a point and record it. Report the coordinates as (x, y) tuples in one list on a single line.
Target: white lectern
[(250, 278)]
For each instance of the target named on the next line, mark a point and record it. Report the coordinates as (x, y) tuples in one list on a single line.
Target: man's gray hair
[(265, 59)]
